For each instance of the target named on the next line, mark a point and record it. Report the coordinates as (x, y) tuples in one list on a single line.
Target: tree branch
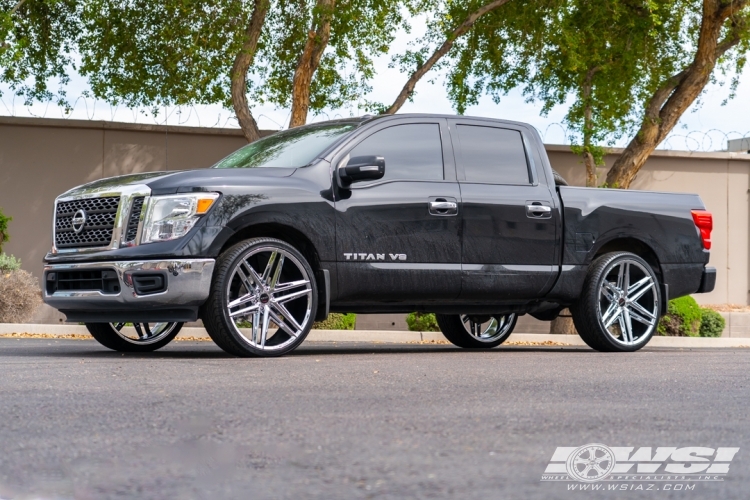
[(464, 27), (17, 6), (240, 67)]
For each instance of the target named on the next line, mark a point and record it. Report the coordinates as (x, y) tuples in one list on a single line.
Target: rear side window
[(411, 151), (493, 155)]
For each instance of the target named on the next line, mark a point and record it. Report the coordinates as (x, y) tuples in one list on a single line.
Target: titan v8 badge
[(374, 256)]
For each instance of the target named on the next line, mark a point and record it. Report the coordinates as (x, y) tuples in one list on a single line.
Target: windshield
[(292, 148)]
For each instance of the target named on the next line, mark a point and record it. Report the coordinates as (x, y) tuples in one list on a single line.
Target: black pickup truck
[(459, 216)]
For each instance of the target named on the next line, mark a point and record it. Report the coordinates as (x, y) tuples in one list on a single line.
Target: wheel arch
[(282, 232), (633, 245)]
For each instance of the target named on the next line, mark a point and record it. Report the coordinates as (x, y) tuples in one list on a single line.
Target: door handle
[(538, 211), (443, 206)]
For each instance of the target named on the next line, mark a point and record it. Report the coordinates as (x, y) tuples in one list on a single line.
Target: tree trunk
[(588, 129), (240, 67), (667, 105), (563, 324), (309, 60), (464, 27), (591, 176)]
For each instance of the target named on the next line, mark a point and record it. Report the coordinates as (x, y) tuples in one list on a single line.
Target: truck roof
[(369, 118)]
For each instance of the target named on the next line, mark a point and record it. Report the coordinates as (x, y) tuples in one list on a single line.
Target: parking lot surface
[(353, 420)]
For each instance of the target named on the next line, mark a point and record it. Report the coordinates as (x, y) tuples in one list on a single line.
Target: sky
[(704, 127)]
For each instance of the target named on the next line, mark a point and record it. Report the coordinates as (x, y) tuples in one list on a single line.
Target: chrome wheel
[(628, 307), (269, 298), (143, 333), (487, 328)]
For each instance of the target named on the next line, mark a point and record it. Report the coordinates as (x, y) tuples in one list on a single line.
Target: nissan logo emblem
[(79, 221)]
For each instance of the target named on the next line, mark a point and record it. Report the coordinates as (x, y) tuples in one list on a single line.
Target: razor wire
[(88, 108)]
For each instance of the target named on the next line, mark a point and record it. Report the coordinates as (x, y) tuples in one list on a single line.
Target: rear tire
[(619, 307), (476, 331), (148, 337)]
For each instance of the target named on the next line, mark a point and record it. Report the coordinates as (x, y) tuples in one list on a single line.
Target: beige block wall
[(41, 158)]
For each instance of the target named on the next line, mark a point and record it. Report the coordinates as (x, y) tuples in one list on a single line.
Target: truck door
[(397, 238), (510, 217)]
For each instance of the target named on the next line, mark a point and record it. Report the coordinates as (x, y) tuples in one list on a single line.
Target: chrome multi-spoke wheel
[(134, 337), (143, 333), (620, 303), (267, 295), (267, 284), (475, 330), (488, 328), (628, 305)]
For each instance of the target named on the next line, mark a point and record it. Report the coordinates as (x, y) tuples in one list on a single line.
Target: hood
[(114, 184), (167, 182)]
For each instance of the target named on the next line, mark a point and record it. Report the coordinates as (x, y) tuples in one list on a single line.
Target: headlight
[(171, 217)]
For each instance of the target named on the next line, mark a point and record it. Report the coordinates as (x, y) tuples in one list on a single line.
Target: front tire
[(263, 299), (619, 307), (140, 337), (476, 331)]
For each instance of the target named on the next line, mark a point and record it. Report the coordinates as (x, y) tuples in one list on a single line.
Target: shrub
[(20, 296), (712, 323), (337, 321), (9, 263), (422, 322), (4, 236), (683, 318)]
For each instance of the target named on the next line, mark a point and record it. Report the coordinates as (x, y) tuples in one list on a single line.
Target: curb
[(389, 336)]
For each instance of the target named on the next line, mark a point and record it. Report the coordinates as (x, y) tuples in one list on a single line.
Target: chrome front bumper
[(187, 287)]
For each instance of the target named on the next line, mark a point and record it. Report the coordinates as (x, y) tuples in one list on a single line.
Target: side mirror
[(362, 168)]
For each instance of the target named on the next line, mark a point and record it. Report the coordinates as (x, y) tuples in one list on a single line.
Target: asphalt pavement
[(353, 420)]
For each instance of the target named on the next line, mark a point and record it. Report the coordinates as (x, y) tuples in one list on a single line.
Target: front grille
[(100, 222), (134, 219)]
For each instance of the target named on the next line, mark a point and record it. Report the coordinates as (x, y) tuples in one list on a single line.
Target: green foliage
[(9, 263), (604, 59), (36, 46), (712, 323), (4, 236), (683, 318), (337, 321), (180, 52), (422, 322)]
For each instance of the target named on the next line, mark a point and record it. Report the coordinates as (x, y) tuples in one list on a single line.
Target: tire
[(476, 331), (249, 296), (607, 318), (145, 337), (559, 179)]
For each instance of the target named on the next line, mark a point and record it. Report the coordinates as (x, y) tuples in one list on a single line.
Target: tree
[(320, 55), (598, 56), (720, 26), (304, 55), (35, 46)]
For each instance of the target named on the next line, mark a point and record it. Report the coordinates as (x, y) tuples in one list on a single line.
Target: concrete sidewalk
[(187, 333)]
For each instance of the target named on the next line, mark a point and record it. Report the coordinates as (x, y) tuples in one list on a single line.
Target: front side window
[(411, 151), (291, 148), (493, 155)]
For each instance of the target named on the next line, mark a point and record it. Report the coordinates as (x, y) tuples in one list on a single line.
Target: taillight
[(704, 221)]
